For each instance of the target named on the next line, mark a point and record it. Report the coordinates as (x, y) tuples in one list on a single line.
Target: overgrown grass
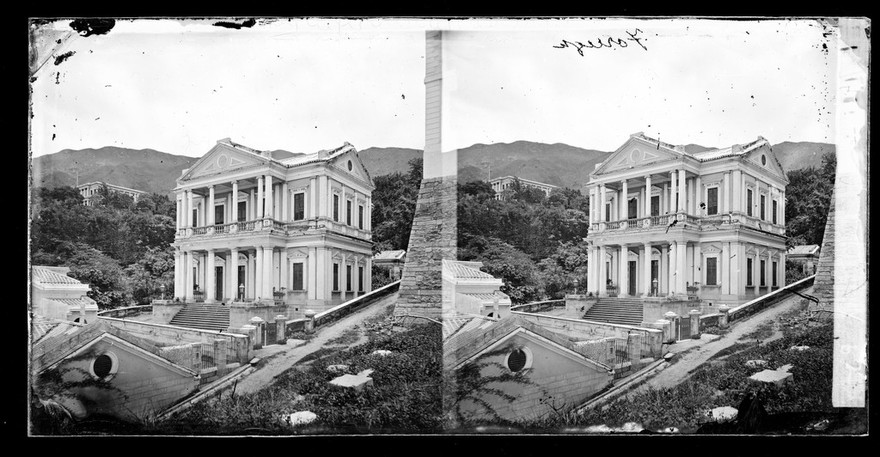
[(762, 332), (405, 396), (348, 336), (724, 384)]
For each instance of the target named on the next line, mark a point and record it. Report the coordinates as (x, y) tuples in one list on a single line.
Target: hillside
[(558, 164)]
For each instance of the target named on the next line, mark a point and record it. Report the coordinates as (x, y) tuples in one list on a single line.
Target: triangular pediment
[(221, 159), (764, 158), (341, 162), (636, 153)]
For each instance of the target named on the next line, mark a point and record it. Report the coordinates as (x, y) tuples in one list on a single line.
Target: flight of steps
[(626, 311), (202, 316)]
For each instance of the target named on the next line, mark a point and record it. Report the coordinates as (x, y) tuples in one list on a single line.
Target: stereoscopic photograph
[(466, 226)]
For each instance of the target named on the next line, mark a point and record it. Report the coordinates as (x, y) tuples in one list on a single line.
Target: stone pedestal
[(673, 322), (310, 323), (281, 329), (725, 316), (695, 323), (260, 326)]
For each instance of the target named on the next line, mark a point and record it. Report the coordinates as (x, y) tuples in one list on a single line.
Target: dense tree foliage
[(394, 205), (121, 248), (808, 198), (532, 241)]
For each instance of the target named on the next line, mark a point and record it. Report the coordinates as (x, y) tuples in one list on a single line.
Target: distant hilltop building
[(89, 191), (664, 221), (276, 236), (805, 255), (391, 261), (499, 185)]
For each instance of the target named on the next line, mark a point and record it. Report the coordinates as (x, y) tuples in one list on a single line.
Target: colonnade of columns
[(273, 199), (685, 193), (268, 270), (681, 264)]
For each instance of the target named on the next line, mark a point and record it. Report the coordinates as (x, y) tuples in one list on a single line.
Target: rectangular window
[(299, 206), (632, 209), (297, 276), (348, 278), (775, 209), (218, 214), (711, 271), (608, 211), (348, 212), (655, 205), (336, 277), (712, 201), (361, 217), (195, 221), (360, 279), (773, 273), (242, 211), (749, 272), (749, 203), (336, 208), (763, 208), (763, 273)]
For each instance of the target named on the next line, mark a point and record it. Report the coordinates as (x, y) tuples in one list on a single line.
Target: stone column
[(602, 198), (602, 271), (756, 265), (234, 217), (624, 197), (646, 270), (187, 276), (189, 207), (682, 181), (250, 273), (742, 193), (210, 278), (310, 323), (260, 198), (285, 202), (769, 274), (681, 267), (623, 275), (725, 199), (648, 198), (697, 263), (782, 208), (663, 279), (269, 202), (209, 210), (673, 323), (673, 191), (232, 274), (781, 266), (178, 276), (178, 210), (734, 265), (258, 279), (251, 205), (698, 196), (311, 199), (592, 205), (368, 275), (673, 258), (736, 204), (267, 272), (285, 280), (724, 268), (664, 199)]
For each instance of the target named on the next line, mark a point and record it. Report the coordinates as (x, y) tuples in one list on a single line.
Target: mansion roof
[(461, 270), (296, 159), (390, 255), (809, 249), (711, 154)]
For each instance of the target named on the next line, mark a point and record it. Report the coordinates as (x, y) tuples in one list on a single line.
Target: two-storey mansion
[(664, 221), (253, 228)]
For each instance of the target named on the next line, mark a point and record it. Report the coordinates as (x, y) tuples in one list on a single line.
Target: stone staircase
[(625, 311), (202, 316)]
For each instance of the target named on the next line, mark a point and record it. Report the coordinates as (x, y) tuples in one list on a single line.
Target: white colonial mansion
[(664, 221), (504, 183), (253, 228), (91, 191)]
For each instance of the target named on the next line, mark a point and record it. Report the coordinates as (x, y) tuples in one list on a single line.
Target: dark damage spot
[(234, 25), (88, 27), (60, 59)]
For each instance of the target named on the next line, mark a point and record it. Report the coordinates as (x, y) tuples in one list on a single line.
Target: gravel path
[(287, 358), (685, 363)]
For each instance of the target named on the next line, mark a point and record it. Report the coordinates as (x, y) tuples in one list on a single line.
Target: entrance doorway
[(655, 279), (242, 278), (218, 290), (633, 280)]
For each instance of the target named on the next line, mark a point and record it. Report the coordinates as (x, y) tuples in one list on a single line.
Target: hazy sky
[(179, 86), (709, 82), (305, 85)]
